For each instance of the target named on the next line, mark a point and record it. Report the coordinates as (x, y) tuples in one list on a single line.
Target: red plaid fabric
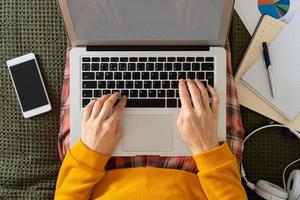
[(235, 130)]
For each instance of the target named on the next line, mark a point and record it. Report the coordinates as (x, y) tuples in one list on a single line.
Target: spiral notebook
[(267, 30)]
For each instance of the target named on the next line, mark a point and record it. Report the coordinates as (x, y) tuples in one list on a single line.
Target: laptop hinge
[(148, 48)]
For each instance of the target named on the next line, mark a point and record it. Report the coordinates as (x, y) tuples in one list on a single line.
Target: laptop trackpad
[(148, 133)]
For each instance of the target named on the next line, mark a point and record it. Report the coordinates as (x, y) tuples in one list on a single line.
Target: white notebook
[(285, 61)]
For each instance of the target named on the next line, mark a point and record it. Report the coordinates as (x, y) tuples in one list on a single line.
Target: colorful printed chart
[(274, 8)]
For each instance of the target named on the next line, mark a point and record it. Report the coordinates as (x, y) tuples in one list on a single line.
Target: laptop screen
[(146, 19)]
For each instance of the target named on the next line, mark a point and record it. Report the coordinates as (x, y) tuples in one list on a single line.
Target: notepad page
[(285, 59)]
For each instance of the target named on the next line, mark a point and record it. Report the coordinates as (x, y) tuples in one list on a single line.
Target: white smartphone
[(29, 85)]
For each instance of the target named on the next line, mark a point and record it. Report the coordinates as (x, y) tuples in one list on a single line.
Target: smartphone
[(29, 85)]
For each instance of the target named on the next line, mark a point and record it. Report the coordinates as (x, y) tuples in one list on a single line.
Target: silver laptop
[(141, 48)]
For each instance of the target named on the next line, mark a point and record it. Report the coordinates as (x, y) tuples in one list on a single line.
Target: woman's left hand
[(100, 129)]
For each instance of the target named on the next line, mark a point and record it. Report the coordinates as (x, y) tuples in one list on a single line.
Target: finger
[(215, 99), (98, 105), (118, 110), (186, 101), (203, 94), (88, 110), (195, 95), (108, 106)]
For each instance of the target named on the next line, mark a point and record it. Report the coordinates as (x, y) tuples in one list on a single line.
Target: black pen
[(269, 67)]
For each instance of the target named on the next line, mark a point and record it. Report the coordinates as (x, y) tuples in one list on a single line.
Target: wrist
[(202, 148)]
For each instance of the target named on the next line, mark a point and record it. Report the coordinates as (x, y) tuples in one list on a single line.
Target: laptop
[(142, 48)]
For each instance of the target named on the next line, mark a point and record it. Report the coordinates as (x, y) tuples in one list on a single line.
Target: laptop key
[(154, 75), (143, 59), (122, 67), (118, 75), (191, 75), (86, 67), (136, 75), (209, 59), (104, 59), (163, 75), (159, 66), (152, 59), (152, 93), (204, 83), (165, 84), (106, 92), (99, 75), (171, 103), (181, 75), (133, 93), (133, 59), (86, 59), (108, 75), (177, 94), (123, 59), (162, 59), (170, 93), (171, 59), (207, 66), (142, 93), (89, 84), (157, 84), (145, 75), (129, 84), (172, 75), (200, 59), (97, 93), (174, 84), (104, 66), (196, 66), (125, 93), (87, 93), (180, 59), (150, 66), (95, 66), (113, 66), (102, 84), (111, 84), (85, 102), (131, 66), (120, 84), (146, 103), (114, 59), (200, 75), (147, 84), (88, 75), (179, 103), (190, 59), (168, 66), (210, 78), (141, 66), (138, 84), (161, 93), (186, 66), (95, 59), (126, 75), (177, 66)]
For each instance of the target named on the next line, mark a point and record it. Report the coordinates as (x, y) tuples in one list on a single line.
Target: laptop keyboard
[(148, 82)]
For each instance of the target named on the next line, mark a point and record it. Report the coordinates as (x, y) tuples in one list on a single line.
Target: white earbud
[(269, 190)]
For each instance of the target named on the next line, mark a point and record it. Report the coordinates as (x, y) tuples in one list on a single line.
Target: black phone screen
[(29, 85)]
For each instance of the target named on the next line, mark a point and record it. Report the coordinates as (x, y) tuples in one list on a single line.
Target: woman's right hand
[(198, 120)]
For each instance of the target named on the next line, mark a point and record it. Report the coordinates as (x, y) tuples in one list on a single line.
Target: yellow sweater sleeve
[(80, 171), (219, 174)]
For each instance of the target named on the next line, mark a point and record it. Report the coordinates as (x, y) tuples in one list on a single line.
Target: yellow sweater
[(82, 176)]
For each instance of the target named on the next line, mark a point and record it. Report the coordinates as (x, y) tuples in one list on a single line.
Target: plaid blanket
[(235, 130)]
